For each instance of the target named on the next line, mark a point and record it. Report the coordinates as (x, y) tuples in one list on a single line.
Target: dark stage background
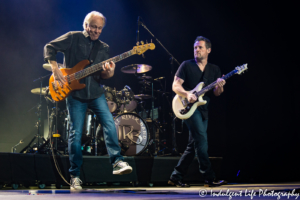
[(253, 125)]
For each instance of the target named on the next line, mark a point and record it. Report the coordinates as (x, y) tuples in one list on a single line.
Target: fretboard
[(212, 85), (97, 67)]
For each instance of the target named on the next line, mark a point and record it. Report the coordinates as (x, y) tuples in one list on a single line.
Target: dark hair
[(207, 41)]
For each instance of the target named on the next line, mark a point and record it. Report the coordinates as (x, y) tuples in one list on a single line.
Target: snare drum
[(133, 133), (110, 95)]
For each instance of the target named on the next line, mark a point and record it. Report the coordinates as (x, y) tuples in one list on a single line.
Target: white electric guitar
[(184, 110)]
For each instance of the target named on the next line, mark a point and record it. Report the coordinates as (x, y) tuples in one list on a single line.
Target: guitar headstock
[(241, 69), (140, 49)]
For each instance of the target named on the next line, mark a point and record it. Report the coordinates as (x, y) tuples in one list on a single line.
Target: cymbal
[(45, 91), (136, 68), (145, 77), (142, 96), (47, 66)]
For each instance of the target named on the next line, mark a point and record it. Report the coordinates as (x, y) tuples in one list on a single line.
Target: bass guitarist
[(77, 46), (188, 76)]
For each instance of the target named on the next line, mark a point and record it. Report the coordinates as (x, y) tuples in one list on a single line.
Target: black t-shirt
[(190, 72)]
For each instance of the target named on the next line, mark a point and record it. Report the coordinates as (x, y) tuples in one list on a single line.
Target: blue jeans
[(77, 109), (198, 146)]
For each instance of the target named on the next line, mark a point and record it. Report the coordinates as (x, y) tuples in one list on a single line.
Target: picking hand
[(191, 98), (58, 77)]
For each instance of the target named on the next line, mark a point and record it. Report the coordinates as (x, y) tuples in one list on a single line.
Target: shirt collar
[(85, 33)]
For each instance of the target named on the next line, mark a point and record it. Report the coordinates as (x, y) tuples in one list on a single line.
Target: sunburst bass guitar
[(184, 110), (74, 74)]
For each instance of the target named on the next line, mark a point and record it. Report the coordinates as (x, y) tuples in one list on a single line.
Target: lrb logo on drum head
[(132, 133)]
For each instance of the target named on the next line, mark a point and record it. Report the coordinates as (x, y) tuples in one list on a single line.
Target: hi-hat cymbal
[(45, 91), (136, 68), (47, 66), (142, 96)]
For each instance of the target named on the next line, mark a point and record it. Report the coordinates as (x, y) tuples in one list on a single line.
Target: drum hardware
[(144, 82), (110, 95), (54, 135), (136, 69), (153, 129), (142, 96), (144, 77), (14, 149), (39, 113), (44, 91), (126, 100)]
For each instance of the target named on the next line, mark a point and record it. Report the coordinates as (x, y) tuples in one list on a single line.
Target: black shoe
[(178, 183), (208, 183)]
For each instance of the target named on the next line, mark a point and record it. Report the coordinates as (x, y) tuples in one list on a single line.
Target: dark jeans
[(198, 146), (77, 109)]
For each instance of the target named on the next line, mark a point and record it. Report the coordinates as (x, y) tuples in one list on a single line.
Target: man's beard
[(199, 58)]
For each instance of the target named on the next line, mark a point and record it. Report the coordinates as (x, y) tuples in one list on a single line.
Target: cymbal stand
[(152, 119), (53, 130), (39, 114), (154, 148), (172, 59)]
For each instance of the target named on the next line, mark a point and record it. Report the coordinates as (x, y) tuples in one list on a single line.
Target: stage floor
[(230, 191)]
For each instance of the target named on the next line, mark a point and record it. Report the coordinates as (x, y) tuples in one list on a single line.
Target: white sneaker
[(75, 184), (121, 168)]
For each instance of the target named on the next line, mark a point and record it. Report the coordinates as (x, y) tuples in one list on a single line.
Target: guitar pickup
[(59, 94), (58, 98), (54, 87)]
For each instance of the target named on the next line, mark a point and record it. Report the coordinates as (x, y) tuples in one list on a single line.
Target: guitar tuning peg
[(142, 42), (146, 42), (143, 56), (151, 40), (137, 43)]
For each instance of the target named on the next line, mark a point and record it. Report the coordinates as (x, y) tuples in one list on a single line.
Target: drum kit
[(132, 127)]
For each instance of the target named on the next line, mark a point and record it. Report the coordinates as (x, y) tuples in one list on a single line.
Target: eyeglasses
[(95, 27)]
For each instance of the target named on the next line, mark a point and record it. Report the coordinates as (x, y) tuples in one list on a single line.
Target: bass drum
[(133, 133)]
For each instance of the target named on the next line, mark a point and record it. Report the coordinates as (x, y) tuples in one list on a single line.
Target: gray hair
[(88, 17)]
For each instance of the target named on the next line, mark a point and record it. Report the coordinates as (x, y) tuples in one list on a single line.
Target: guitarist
[(188, 76), (77, 46)]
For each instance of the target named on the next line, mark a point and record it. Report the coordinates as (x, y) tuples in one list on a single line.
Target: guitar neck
[(212, 85), (99, 67)]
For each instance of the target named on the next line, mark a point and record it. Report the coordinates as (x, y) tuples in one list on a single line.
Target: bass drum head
[(133, 133)]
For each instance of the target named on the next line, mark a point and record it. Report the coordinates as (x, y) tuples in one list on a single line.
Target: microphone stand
[(171, 56), (172, 59)]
